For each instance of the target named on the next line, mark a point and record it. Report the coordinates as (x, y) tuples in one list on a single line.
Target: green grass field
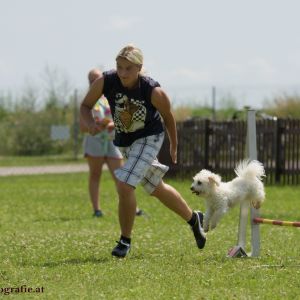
[(49, 240)]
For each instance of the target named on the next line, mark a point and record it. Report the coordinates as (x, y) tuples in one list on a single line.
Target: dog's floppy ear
[(213, 180)]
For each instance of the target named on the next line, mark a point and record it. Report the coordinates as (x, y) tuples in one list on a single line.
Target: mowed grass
[(49, 239)]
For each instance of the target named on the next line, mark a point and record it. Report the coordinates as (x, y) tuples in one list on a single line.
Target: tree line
[(26, 120)]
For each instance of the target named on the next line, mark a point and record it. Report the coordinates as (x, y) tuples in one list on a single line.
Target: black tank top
[(133, 113)]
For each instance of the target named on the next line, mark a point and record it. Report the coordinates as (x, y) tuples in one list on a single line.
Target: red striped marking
[(276, 222)]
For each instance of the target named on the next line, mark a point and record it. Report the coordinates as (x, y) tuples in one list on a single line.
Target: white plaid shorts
[(141, 165)]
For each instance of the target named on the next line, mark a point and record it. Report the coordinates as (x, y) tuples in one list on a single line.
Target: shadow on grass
[(60, 219), (72, 261), (83, 261)]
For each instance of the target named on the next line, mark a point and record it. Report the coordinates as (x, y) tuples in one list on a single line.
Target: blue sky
[(247, 49)]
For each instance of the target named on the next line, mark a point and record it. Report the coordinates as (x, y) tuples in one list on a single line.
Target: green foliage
[(49, 239), (4, 105), (205, 112), (3, 113), (202, 112), (28, 132), (28, 136), (226, 110), (284, 106), (25, 121)]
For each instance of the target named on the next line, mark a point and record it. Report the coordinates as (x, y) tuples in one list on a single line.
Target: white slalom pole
[(242, 233), (252, 154)]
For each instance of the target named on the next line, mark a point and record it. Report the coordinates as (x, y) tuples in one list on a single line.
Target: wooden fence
[(218, 146)]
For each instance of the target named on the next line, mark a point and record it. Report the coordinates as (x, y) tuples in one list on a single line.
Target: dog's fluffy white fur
[(221, 196)]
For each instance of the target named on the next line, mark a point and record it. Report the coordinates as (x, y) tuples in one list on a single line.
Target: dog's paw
[(256, 205)]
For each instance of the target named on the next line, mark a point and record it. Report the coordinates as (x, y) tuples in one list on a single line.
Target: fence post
[(278, 152), (206, 143)]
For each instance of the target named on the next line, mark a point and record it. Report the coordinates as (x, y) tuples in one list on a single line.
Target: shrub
[(284, 106)]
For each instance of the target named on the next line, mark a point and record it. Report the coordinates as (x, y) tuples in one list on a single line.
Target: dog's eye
[(199, 182)]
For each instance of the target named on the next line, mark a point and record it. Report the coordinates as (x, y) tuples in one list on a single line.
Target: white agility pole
[(251, 153)]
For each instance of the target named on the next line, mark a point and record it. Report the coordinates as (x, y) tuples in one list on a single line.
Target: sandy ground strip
[(59, 169)]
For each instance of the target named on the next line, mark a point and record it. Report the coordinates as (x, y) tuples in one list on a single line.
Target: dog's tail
[(250, 169)]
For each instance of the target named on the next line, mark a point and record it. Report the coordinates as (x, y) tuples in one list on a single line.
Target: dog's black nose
[(192, 188)]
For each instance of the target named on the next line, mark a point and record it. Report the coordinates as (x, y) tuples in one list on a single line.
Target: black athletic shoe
[(121, 249), (98, 213), (139, 212), (198, 231)]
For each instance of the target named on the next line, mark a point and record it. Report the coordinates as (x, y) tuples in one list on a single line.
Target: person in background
[(138, 105), (99, 149)]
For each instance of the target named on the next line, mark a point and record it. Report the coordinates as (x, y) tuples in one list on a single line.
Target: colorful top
[(100, 111), (133, 113)]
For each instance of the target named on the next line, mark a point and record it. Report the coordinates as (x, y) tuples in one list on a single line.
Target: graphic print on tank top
[(130, 114)]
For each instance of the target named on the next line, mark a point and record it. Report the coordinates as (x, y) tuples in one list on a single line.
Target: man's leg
[(95, 170), (114, 164), (173, 200), (127, 208)]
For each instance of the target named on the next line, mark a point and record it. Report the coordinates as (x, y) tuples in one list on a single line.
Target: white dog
[(220, 196)]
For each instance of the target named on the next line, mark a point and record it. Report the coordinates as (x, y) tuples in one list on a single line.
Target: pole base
[(237, 251)]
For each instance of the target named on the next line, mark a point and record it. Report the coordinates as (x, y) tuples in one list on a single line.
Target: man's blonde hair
[(132, 54)]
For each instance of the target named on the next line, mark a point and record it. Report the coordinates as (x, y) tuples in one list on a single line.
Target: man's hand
[(173, 153), (110, 126), (95, 128)]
